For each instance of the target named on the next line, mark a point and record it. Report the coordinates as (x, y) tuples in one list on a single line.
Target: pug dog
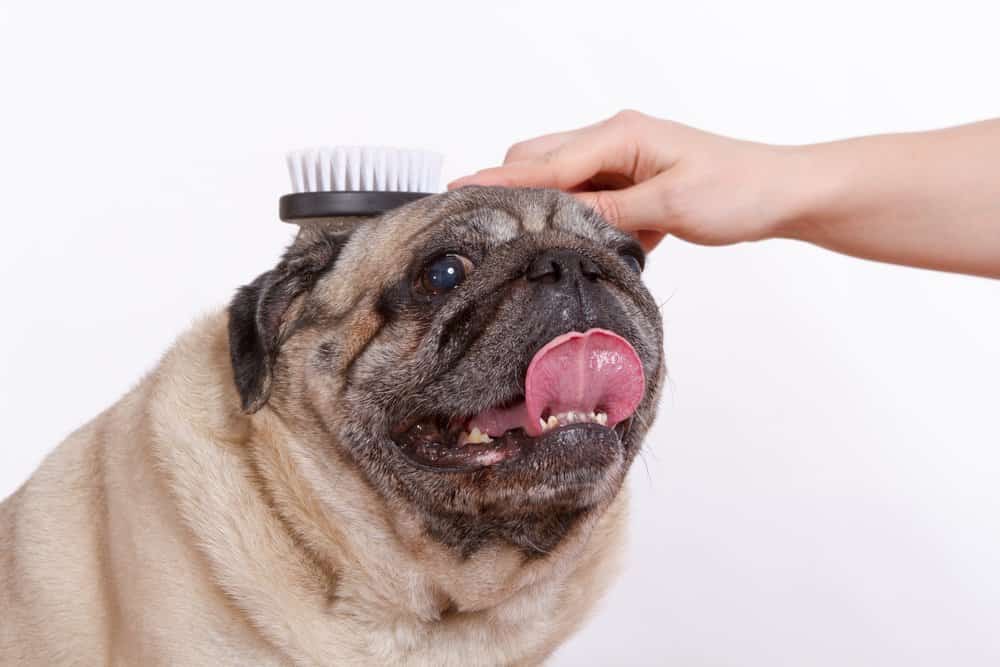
[(403, 445)]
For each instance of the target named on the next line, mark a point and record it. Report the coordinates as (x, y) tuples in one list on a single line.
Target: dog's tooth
[(552, 422), (477, 437), (602, 418), (542, 423)]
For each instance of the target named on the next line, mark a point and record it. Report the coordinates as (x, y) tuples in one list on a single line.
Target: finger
[(531, 149), (564, 168), (605, 147), (505, 176), (537, 147)]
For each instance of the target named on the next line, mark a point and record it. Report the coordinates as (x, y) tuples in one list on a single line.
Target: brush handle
[(303, 205)]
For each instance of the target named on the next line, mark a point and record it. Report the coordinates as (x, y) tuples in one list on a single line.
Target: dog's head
[(487, 357)]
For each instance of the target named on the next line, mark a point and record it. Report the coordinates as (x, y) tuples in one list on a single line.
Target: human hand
[(653, 177)]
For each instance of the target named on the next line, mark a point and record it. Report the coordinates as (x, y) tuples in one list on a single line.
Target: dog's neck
[(288, 536), (315, 498)]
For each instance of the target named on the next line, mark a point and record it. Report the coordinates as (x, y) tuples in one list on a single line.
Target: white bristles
[(364, 168)]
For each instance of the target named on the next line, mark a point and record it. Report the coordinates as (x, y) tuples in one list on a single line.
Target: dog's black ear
[(258, 313)]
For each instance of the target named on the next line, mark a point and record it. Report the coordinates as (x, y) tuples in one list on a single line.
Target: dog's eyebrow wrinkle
[(473, 217), (416, 233), (502, 208), (500, 228), (519, 219), (550, 218), (457, 211)]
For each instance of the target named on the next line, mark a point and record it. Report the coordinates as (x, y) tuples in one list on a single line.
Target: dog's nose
[(558, 264)]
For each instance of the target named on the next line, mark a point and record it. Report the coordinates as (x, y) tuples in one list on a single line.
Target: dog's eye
[(444, 273), (633, 261)]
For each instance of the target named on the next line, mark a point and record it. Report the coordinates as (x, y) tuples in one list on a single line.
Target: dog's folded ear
[(259, 314)]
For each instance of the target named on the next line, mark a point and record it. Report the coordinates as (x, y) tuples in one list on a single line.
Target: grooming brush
[(349, 181)]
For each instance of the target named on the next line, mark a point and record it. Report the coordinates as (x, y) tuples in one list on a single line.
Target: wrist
[(815, 184)]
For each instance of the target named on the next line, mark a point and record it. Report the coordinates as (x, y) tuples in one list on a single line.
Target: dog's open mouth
[(579, 387)]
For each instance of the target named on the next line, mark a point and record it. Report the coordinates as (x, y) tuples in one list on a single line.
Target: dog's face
[(487, 357)]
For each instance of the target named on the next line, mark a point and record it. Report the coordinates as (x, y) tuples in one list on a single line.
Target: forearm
[(928, 199)]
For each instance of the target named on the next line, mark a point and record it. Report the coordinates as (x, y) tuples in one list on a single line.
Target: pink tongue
[(596, 371)]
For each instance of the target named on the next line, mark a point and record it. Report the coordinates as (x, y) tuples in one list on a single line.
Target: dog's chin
[(574, 446)]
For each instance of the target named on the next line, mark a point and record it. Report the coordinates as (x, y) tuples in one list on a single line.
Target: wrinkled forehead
[(484, 217), (495, 216)]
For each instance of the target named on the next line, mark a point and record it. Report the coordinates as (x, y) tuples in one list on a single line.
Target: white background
[(821, 486)]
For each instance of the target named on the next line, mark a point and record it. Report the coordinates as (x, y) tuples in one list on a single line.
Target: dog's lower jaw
[(324, 568)]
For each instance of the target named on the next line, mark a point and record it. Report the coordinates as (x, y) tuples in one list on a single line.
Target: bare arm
[(928, 199)]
